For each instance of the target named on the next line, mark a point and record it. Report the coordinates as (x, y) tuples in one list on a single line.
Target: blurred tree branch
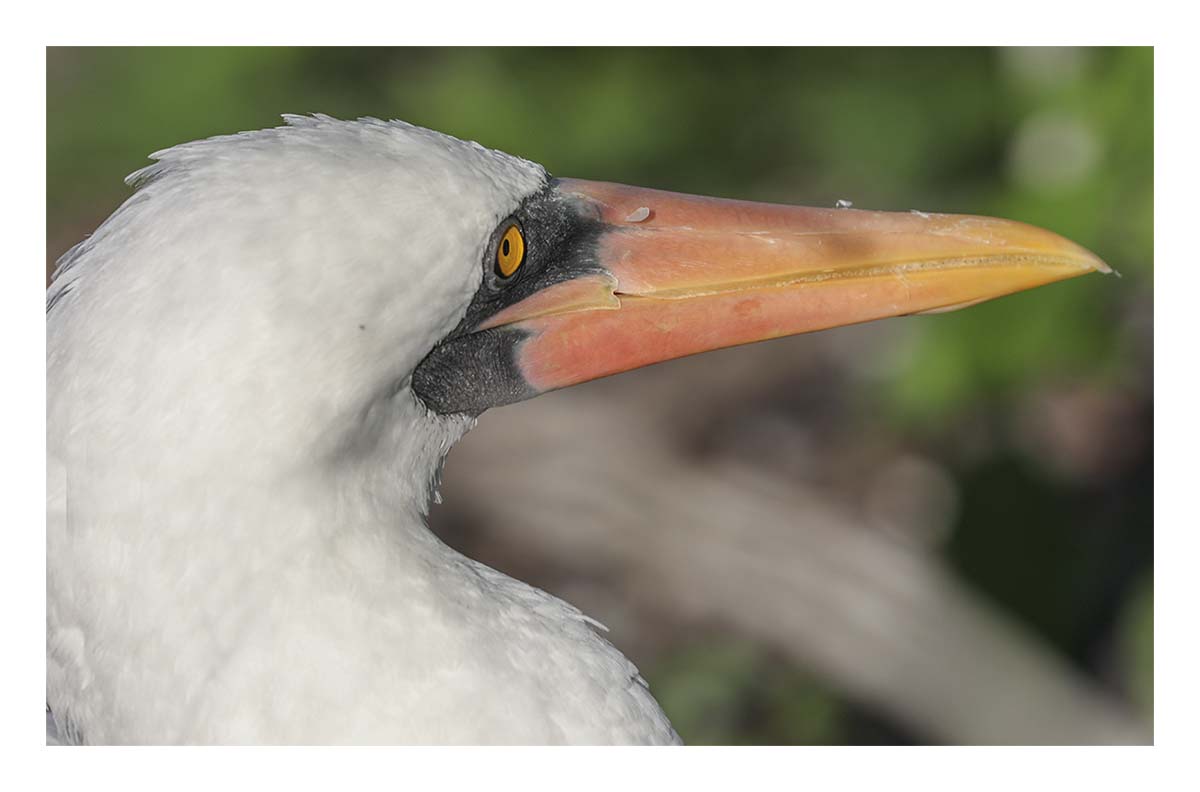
[(593, 485)]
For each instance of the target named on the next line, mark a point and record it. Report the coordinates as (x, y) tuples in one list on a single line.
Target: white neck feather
[(238, 472)]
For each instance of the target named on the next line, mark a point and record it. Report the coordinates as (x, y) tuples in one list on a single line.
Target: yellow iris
[(510, 252)]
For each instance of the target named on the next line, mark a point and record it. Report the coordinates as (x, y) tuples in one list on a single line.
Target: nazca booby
[(256, 365)]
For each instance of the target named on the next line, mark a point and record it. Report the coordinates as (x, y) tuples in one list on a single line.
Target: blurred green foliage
[(721, 693), (887, 128), (1058, 138)]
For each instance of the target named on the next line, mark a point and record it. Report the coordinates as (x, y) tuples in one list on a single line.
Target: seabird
[(257, 364)]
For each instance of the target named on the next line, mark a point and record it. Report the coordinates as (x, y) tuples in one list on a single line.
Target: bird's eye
[(510, 253)]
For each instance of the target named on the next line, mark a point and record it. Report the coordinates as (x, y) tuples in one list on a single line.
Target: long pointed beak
[(681, 274), (621, 277)]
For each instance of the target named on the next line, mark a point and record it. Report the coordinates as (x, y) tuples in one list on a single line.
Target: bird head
[(314, 281)]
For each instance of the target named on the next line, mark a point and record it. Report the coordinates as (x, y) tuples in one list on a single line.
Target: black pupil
[(504, 247)]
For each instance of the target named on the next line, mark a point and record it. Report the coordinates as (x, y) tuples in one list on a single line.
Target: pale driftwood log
[(594, 485)]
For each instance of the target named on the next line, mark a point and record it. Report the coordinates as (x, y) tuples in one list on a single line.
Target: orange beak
[(684, 274), (620, 277)]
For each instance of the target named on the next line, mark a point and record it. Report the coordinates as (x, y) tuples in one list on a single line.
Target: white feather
[(239, 472)]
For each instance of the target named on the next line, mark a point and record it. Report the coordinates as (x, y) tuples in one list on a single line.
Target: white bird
[(257, 364)]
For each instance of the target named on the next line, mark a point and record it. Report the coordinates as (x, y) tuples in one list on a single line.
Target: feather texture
[(238, 472)]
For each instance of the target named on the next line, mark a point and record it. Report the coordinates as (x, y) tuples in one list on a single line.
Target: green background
[(1061, 138)]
